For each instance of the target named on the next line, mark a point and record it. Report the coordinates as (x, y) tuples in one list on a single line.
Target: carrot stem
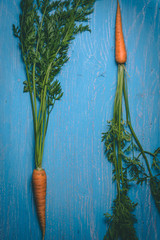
[(140, 146)]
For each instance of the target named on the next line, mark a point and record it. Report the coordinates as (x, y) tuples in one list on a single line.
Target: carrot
[(120, 49), (39, 180), (44, 51), (121, 145)]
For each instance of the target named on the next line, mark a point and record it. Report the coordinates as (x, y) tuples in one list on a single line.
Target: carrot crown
[(120, 49)]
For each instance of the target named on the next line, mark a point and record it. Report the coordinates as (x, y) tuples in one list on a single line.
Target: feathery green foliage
[(46, 29), (124, 150), (121, 222)]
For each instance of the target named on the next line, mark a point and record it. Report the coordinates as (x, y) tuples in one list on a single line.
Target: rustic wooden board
[(80, 188)]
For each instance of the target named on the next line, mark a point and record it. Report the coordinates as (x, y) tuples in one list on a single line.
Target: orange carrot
[(39, 180), (120, 49)]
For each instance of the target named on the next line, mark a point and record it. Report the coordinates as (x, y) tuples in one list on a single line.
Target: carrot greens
[(118, 144), (45, 32), (124, 151)]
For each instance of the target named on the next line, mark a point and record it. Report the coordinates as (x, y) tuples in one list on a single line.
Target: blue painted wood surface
[(80, 188)]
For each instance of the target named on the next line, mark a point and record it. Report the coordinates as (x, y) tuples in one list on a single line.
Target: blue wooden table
[(80, 188)]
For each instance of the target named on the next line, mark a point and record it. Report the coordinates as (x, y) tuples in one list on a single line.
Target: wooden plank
[(80, 188)]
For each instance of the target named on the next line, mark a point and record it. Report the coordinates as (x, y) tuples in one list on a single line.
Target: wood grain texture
[(79, 188)]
